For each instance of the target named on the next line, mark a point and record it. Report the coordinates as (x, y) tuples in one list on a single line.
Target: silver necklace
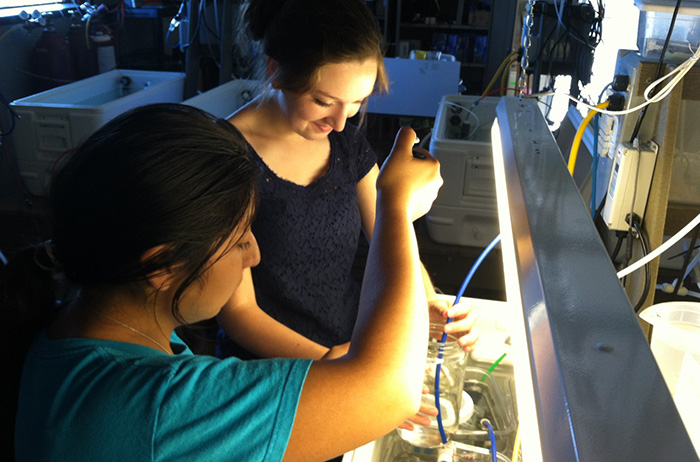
[(133, 330)]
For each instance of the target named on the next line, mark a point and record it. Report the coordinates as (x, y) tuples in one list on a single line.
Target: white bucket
[(675, 343)]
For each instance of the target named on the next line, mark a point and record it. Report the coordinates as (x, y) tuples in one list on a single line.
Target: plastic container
[(492, 403), (465, 211), (676, 335), (451, 358), (655, 21), (397, 450), (56, 120), (675, 343), (224, 100)]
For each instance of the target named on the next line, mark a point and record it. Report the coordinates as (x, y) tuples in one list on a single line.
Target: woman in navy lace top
[(318, 182)]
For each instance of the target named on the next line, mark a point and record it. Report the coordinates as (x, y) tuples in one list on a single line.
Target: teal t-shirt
[(97, 400)]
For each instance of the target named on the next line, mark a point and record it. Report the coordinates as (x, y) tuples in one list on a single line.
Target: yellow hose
[(498, 71), (579, 135), (10, 30), (516, 446)]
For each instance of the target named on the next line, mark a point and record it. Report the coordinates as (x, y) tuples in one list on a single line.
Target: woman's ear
[(272, 65), (161, 279)]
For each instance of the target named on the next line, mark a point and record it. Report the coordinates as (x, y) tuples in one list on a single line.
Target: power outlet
[(630, 181)]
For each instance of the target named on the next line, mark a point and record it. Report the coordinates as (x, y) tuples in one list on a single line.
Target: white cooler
[(59, 119), (465, 211)]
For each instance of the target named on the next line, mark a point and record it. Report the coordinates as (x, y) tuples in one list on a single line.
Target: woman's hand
[(426, 409), (410, 179), (462, 324)]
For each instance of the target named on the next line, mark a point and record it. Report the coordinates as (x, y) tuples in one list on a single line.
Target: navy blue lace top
[(308, 238)]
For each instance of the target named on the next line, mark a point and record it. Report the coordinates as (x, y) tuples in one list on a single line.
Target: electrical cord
[(13, 116), (573, 48), (632, 218), (559, 9), (644, 239), (438, 367), (661, 249), (599, 210), (504, 77), (618, 245), (684, 252), (659, 69), (686, 262), (676, 76), (504, 65)]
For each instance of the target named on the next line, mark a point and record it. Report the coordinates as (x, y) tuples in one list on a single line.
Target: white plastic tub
[(675, 342), (56, 120), (224, 100), (465, 211)]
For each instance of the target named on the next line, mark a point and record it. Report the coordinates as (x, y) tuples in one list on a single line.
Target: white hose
[(661, 249)]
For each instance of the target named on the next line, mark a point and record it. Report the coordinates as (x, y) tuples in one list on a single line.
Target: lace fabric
[(308, 238)]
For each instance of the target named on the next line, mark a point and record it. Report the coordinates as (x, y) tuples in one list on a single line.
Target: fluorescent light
[(29, 8), (527, 411)]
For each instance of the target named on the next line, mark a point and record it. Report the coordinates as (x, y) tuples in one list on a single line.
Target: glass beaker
[(449, 357)]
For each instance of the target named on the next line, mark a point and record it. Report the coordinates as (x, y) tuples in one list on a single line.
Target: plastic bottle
[(103, 41), (452, 366)]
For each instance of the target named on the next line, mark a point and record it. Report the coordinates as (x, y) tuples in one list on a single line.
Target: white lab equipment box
[(224, 100), (53, 121), (464, 212)]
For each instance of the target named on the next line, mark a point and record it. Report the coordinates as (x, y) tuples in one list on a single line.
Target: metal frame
[(599, 395)]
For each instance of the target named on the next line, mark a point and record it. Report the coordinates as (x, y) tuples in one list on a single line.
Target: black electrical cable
[(13, 116), (686, 261), (659, 69), (599, 210), (644, 240), (628, 255), (620, 237), (690, 250)]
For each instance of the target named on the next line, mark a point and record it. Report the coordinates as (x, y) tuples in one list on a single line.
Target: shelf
[(468, 38), (457, 27)]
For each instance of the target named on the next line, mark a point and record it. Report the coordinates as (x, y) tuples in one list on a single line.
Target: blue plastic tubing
[(438, 366)]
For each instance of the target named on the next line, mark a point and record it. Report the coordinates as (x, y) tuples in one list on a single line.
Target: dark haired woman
[(151, 224), (317, 185)]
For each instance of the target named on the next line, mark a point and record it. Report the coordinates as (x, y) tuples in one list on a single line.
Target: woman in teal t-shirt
[(144, 241)]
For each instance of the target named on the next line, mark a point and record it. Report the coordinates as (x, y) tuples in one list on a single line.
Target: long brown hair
[(303, 35)]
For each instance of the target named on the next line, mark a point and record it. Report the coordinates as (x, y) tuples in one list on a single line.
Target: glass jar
[(450, 359)]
